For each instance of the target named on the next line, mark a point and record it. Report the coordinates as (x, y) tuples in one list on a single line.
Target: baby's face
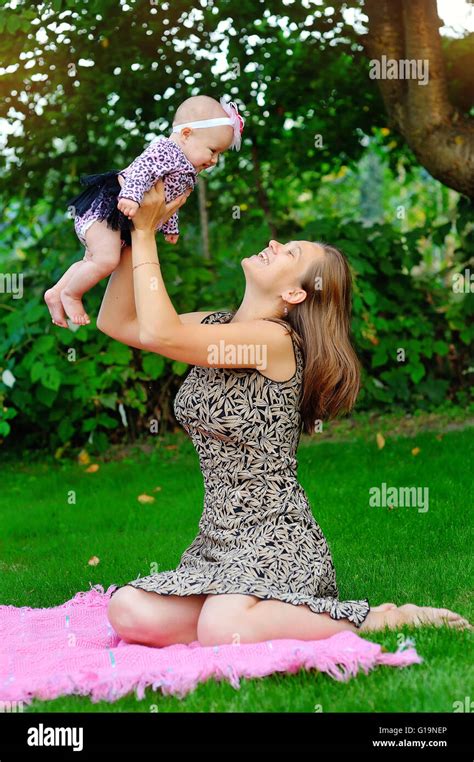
[(204, 146)]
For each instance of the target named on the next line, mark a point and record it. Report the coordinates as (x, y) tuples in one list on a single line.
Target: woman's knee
[(141, 616), (123, 610)]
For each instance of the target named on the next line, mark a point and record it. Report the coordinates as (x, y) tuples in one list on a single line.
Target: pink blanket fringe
[(73, 649)]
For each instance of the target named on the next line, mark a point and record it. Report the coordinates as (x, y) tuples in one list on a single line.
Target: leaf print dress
[(257, 535)]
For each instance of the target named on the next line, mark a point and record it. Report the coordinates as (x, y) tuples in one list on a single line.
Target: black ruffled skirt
[(106, 187)]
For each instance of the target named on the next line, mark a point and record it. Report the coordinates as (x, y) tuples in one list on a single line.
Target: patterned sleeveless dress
[(257, 535)]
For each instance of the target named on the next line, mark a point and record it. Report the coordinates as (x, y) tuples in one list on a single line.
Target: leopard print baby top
[(163, 160), (257, 534)]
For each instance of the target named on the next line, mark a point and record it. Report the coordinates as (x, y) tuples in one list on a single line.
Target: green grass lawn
[(400, 554)]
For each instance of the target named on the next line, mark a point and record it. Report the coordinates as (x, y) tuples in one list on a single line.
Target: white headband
[(203, 123), (234, 120)]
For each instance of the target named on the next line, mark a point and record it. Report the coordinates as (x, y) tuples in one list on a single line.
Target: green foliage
[(413, 333), (69, 386), (115, 77)]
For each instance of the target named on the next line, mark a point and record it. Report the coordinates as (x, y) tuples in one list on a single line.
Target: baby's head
[(202, 145)]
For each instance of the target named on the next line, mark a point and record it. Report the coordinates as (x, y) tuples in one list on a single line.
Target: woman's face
[(281, 265)]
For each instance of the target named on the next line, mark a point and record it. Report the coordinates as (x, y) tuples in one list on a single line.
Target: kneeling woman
[(260, 567)]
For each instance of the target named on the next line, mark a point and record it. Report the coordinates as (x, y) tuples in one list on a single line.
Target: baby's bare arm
[(129, 208)]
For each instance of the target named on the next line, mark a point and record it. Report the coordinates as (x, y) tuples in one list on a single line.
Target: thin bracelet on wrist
[(145, 263)]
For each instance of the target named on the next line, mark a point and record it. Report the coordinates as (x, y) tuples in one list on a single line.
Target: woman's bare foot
[(412, 616), (384, 607), (418, 616), (55, 307), (74, 308)]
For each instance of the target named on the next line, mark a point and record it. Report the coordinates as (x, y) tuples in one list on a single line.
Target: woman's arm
[(145, 317), (155, 312), (117, 315), (246, 344)]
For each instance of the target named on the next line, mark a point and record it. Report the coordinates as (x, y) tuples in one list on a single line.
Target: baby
[(202, 129)]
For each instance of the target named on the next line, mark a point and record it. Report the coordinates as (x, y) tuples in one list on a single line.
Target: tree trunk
[(441, 138), (261, 192), (203, 218)]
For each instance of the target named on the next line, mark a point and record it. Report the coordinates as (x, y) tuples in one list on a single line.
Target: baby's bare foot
[(55, 307), (74, 308)]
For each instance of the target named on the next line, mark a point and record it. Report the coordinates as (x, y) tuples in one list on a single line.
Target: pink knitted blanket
[(73, 649)]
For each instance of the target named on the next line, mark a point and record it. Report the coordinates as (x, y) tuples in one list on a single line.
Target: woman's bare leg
[(148, 618), (227, 619), (103, 246)]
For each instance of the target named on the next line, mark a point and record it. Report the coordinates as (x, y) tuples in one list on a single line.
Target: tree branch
[(439, 135)]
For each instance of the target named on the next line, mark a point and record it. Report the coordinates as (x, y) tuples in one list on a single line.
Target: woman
[(260, 567)]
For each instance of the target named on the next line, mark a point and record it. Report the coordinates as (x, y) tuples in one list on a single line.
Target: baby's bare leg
[(52, 296), (103, 256)]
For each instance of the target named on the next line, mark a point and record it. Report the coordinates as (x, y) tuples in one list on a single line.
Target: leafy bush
[(72, 387)]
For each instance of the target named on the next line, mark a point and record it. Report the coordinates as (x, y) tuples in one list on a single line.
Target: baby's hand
[(128, 207), (172, 237)]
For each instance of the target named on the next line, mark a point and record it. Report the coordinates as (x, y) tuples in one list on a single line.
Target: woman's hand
[(154, 210)]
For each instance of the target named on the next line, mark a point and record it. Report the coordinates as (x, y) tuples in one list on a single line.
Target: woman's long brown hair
[(321, 326), (332, 371)]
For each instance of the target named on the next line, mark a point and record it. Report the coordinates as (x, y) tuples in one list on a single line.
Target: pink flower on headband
[(237, 121)]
